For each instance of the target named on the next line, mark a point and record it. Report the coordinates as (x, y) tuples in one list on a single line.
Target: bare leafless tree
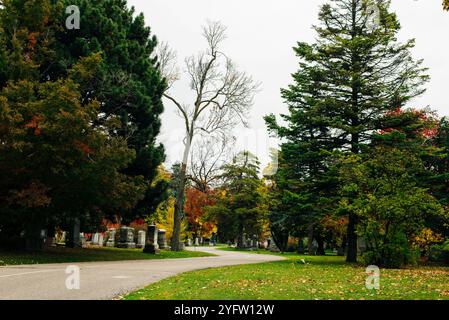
[(208, 155), (223, 98)]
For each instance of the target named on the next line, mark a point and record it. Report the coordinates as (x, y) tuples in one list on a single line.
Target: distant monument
[(126, 238), (151, 245)]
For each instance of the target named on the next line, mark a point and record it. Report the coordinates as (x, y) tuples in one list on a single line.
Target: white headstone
[(141, 239), (111, 238), (95, 238)]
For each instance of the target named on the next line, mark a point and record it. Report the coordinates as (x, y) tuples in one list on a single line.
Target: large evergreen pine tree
[(55, 165), (128, 85), (354, 73)]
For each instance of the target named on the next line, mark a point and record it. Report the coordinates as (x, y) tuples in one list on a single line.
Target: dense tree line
[(79, 115), (350, 149)]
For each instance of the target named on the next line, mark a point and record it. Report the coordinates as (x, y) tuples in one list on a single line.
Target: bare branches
[(215, 34), (167, 63), (223, 94), (208, 157)]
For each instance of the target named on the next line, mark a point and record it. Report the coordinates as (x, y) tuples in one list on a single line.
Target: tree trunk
[(352, 240), (179, 205), (355, 138), (320, 251), (310, 240), (177, 219), (240, 237)]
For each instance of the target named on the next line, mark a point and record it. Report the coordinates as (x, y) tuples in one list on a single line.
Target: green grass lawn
[(60, 255), (327, 277)]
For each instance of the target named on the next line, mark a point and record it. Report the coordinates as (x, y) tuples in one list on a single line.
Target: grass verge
[(299, 278), (62, 255)]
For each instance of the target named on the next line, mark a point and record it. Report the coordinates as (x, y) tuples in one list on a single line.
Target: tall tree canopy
[(240, 207), (108, 64), (128, 85), (348, 80)]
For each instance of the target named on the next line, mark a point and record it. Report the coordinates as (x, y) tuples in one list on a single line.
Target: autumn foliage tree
[(195, 210), (54, 165), (347, 80), (79, 115), (390, 187)]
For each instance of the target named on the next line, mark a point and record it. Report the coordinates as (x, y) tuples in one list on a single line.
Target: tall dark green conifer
[(354, 73), (128, 85), (239, 207)]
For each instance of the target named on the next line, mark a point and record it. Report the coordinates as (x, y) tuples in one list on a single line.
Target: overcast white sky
[(261, 34)]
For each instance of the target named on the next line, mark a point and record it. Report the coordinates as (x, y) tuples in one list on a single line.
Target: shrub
[(393, 253), (425, 240), (436, 253), (439, 253)]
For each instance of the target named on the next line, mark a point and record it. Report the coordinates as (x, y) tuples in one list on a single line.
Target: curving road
[(108, 280)]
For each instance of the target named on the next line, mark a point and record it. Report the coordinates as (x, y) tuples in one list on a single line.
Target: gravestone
[(255, 242), (151, 245), (141, 238), (82, 240), (100, 240), (96, 239), (314, 246), (273, 247), (162, 239), (126, 238), (197, 241), (189, 242), (111, 238)]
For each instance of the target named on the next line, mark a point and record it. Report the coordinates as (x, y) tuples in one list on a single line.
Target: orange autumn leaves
[(34, 124), (195, 210)]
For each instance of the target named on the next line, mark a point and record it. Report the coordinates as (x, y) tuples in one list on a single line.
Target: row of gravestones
[(200, 241), (152, 241), (249, 242), (271, 245)]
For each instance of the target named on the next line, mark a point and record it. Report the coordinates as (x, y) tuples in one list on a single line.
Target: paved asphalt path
[(108, 280)]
